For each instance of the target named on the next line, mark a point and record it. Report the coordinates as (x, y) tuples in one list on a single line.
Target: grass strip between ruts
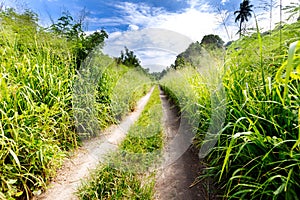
[(124, 175)]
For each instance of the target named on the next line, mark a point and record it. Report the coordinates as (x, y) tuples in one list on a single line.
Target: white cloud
[(147, 39), (161, 35), (155, 59), (224, 1), (112, 21), (133, 27), (194, 22), (155, 47), (115, 34), (195, 3), (167, 31)]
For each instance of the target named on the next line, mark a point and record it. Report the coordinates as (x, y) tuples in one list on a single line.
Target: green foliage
[(37, 97), (258, 149), (139, 150), (142, 146), (104, 92), (83, 44), (189, 57), (128, 90), (212, 42), (129, 59), (36, 123), (197, 53), (257, 153), (111, 183), (146, 134)]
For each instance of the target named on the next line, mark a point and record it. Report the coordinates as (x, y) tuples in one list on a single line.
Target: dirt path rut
[(88, 156), (174, 181)]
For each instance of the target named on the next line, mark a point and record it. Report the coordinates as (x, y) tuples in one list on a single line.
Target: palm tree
[(243, 13)]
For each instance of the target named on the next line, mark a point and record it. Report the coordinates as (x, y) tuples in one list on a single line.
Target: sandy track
[(87, 157)]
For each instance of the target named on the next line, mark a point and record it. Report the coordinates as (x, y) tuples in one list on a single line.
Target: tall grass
[(257, 153), (36, 123), (111, 183), (125, 174), (104, 92), (38, 113)]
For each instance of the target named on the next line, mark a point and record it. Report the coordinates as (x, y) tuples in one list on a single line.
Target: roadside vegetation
[(125, 173), (38, 72), (57, 89), (257, 152)]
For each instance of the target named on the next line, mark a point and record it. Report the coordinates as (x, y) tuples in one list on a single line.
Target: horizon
[(155, 28)]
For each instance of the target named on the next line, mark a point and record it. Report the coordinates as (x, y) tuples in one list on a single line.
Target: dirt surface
[(87, 157), (178, 180), (174, 181)]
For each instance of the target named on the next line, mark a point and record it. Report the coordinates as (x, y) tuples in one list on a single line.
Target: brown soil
[(178, 180), (87, 157), (174, 181)]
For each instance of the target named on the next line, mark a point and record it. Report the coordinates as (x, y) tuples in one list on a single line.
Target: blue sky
[(157, 30)]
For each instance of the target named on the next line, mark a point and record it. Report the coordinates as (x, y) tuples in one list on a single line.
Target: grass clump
[(38, 90), (257, 152), (104, 92), (124, 177), (36, 125), (111, 183), (145, 135)]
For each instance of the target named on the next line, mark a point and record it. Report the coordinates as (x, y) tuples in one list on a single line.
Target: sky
[(156, 30)]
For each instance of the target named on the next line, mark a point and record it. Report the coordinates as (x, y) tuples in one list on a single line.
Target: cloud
[(153, 32), (194, 22), (155, 59), (112, 21), (156, 48), (157, 36), (147, 39), (224, 1), (133, 27)]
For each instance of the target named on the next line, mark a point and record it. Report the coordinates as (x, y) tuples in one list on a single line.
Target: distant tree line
[(129, 59), (195, 52)]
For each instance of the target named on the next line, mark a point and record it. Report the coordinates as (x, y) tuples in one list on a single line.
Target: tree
[(63, 25), (83, 44), (179, 62), (243, 13), (212, 41), (129, 59)]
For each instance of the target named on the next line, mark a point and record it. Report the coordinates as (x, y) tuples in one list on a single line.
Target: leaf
[(11, 181), (279, 189), (15, 158), (289, 67), (18, 194)]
